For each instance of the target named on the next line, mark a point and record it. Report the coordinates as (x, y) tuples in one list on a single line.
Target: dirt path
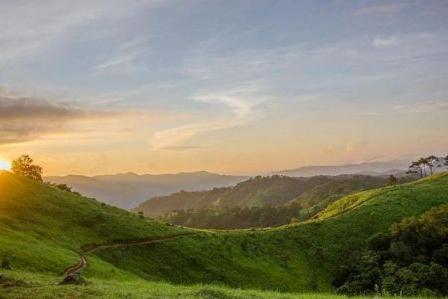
[(71, 273)]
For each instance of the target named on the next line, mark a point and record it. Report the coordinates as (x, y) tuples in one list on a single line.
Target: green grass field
[(39, 285), (42, 230)]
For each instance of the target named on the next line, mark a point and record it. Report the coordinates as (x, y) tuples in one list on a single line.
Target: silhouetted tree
[(392, 180), (415, 168), (423, 162), (24, 166), (431, 161)]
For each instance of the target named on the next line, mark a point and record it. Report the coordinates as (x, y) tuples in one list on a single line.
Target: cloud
[(242, 113), (30, 28), (26, 118), (386, 8), (384, 42), (125, 57), (423, 107), (182, 147)]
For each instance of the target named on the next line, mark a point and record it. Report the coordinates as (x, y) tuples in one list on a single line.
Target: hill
[(275, 191), (42, 230), (129, 189), (56, 224), (299, 257)]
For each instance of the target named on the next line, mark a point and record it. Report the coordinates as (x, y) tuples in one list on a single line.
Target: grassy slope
[(41, 229), (293, 258)]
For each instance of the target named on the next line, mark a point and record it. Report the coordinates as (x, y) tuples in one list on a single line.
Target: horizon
[(6, 165), (229, 87)]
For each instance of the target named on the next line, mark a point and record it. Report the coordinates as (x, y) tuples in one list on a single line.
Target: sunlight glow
[(5, 165)]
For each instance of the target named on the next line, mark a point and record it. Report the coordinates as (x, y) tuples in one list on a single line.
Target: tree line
[(425, 165)]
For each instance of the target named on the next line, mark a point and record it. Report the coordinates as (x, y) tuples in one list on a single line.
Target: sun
[(5, 165)]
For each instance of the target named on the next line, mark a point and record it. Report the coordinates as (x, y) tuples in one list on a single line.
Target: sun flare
[(5, 165)]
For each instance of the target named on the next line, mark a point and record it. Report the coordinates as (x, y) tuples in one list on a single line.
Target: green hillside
[(259, 191), (293, 258), (42, 229)]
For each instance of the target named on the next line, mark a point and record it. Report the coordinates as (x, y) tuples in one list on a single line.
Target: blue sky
[(229, 86)]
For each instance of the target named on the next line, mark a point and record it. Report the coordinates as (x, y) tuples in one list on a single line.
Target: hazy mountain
[(368, 168), (129, 189)]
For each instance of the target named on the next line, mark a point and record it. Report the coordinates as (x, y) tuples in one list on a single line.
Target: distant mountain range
[(127, 190), (395, 167)]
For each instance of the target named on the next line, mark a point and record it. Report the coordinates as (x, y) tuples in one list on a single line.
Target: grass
[(43, 229), (46, 286)]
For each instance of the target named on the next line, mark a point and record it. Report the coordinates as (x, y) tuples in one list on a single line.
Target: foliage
[(237, 217), (24, 166), (411, 260), (63, 187), (258, 202), (423, 164)]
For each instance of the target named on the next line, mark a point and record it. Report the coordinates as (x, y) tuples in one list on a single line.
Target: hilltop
[(304, 257)]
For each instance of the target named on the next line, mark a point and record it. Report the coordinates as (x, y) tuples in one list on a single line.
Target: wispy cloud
[(30, 28), (242, 112), (125, 58), (423, 107), (385, 8), (384, 42)]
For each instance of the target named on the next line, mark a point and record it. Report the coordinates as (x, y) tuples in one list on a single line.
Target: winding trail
[(72, 272)]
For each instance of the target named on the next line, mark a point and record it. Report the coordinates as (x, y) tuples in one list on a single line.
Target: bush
[(411, 260)]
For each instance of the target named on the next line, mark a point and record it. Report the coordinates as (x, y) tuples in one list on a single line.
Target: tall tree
[(423, 162), (431, 162), (415, 168), (24, 166)]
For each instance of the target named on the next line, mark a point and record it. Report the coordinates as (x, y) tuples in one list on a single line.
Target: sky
[(238, 87)]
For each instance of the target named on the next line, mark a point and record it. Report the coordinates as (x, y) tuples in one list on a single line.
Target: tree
[(415, 168), (423, 162), (392, 180), (431, 161), (446, 160), (24, 166)]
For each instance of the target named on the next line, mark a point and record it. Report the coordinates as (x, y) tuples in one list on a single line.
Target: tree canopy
[(24, 166)]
